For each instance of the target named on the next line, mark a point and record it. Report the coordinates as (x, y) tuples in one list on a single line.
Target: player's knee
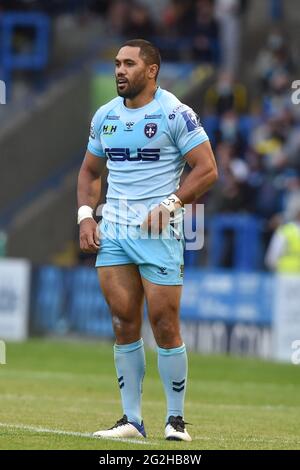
[(164, 314), (165, 328), (121, 321), (120, 309), (126, 327)]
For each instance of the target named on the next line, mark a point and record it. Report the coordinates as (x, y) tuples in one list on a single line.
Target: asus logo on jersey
[(122, 154)]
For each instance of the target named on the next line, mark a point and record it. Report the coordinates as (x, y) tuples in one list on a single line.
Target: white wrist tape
[(170, 203), (84, 212)]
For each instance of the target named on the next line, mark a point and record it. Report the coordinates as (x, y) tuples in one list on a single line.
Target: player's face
[(130, 72)]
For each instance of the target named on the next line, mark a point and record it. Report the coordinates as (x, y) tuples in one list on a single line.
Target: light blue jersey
[(145, 150)]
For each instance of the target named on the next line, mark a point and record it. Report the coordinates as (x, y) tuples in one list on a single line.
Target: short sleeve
[(188, 131), (94, 144)]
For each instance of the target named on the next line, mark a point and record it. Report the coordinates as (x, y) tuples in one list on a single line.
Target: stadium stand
[(243, 98), (253, 155)]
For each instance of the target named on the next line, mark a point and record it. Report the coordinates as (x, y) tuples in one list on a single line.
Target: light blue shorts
[(159, 260)]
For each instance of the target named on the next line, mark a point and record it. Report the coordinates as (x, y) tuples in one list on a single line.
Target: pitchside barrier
[(222, 311), (254, 314), (14, 299)]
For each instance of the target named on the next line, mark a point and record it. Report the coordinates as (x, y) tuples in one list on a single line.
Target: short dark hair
[(148, 52)]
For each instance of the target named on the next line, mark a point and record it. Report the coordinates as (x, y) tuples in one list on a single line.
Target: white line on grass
[(261, 439), (42, 430)]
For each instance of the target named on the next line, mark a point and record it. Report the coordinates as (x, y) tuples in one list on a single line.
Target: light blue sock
[(172, 366), (130, 367)]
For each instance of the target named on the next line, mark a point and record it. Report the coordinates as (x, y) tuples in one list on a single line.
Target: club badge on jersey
[(150, 129)]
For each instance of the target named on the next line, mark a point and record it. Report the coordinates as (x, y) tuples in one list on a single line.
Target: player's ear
[(152, 70)]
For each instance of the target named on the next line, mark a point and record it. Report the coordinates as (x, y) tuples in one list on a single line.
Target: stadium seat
[(246, 231), (211, 124), (246, 126), (33, 60), (49, 299), (88, 312)]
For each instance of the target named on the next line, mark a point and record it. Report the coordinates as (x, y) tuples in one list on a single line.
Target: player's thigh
[(123, 289), (163, 303)]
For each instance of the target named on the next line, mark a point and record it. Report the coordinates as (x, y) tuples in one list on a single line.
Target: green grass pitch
[(53, 394)]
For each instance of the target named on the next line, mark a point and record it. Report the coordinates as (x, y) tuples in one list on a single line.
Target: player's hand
[(89, 236), (156, 220)]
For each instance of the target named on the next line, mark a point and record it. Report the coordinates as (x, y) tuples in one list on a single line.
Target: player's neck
[(142, 99)]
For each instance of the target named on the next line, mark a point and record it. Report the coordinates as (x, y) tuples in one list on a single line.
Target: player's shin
[(130, 368)]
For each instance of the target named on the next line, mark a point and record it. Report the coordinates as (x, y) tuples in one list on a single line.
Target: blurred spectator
[(283, 254), (177, 18), (99, 6), (228, 14), (139, 23), (229, 132), (15, 5), (274, 64), (117, 16), (175, 30), (3, 242), (276, 9), (205, 33), (52, 7), (266, 195), (226, 95), (291, 195), (268, 140), (291, 131), (231, 193)]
